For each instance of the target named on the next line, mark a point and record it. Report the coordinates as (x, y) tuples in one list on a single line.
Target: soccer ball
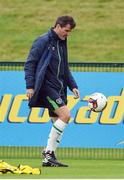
[(97, 102)]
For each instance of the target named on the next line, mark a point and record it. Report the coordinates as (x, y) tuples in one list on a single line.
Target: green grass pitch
[(78, 168)]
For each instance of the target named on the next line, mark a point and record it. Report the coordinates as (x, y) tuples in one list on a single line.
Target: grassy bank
[(98, 36)]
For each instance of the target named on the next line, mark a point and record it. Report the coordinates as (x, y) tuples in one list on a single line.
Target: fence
[(75, 153), (86, 67)]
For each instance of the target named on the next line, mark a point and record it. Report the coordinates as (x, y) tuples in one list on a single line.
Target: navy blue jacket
[(36, 65)]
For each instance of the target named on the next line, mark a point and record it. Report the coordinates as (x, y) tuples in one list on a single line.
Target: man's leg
[(58, 127), (56, 132), (53, 119)]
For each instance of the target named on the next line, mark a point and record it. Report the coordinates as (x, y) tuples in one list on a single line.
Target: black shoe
[(51, 161), (52, 154), (46, 164)]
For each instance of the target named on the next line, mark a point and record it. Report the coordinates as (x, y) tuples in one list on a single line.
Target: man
[(47, 76)]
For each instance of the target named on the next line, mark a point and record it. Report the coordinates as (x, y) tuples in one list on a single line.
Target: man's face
[(63, 32)]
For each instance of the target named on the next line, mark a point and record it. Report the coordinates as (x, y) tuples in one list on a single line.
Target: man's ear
[(58, 26)]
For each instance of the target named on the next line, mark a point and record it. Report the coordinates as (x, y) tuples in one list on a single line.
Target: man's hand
[(30, 93), (76, 93)]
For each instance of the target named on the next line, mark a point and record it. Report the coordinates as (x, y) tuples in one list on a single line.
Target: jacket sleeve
[(32, 61), (71, 83)]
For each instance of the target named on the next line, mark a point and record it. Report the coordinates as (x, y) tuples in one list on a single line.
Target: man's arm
[(34, 56), (31, 64), (76, 93), (30, 69), (71, 83), (30, 93)]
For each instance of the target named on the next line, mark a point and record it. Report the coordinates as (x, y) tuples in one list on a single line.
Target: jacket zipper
[(59, 67)]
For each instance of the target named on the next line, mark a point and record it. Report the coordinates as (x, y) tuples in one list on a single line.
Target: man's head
[(63, 26)]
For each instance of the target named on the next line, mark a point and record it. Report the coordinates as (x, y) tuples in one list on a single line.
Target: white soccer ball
[(97, 102)]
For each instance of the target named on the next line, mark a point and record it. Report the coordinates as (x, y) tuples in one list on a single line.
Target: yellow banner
[(10, 107)]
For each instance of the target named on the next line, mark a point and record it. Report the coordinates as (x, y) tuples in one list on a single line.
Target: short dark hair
[(64, 20)]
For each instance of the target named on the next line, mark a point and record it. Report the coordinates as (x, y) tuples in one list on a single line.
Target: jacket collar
[(53, 35)]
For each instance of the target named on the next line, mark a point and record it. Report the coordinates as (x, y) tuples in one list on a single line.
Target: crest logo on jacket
[(59, 100)]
